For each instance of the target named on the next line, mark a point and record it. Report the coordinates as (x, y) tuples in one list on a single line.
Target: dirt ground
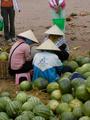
[(36, 15)]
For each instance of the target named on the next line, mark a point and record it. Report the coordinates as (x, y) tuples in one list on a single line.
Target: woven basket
[(4, 70)]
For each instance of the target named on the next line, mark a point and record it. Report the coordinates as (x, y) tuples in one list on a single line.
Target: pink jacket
[(20, 55)]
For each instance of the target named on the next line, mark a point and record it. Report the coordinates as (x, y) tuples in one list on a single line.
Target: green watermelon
[(22, 117), (56, 94), (41, 110), (13, 108), (75, 103), (25, 85), (81, 93), (72, 64), (40, 83), (38, 118), (76, 82), (29, 114), (52, 104), (67, 75), (22, 97), (87, 84), (86, 108), (34, 101), (77, 112), (65, 85), (86, 75), (4, 116), (67, 98), (84, 118), (3, 103), (79, 60), (63, 107), (67, 116), (52, 86)]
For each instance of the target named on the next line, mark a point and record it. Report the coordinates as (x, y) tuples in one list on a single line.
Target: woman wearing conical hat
[(46, 64), (58, 37), (20, 60)]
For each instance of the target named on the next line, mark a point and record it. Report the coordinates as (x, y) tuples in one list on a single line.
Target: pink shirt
[(20, 55)]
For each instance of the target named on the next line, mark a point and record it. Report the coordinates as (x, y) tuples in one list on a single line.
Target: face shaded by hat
[(28, 36), (48, 45)]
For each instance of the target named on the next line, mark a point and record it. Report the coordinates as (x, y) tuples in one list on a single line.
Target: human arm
[(27, 53)]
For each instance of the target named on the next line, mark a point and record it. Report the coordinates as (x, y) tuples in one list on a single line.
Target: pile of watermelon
[(69, 97)]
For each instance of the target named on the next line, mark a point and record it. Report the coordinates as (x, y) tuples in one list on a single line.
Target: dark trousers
[(27, 66), (8, 15)]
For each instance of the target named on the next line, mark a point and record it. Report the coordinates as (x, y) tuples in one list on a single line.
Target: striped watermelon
[(42, 110), (13, 108), (4, 116)]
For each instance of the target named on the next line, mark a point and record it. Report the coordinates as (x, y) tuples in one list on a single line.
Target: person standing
[(8, 8), (58, 13), (57, 8)]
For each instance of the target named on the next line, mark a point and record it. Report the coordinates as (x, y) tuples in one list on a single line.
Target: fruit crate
[(4, 70)]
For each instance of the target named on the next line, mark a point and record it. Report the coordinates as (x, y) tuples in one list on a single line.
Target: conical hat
[(48, 45), (29, 35), (54, 30)]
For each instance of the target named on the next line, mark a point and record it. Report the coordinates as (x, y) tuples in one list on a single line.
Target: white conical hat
[(48, 45), (29, 35), (54, 30)]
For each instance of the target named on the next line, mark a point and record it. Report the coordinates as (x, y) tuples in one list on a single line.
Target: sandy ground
[(36, 15)]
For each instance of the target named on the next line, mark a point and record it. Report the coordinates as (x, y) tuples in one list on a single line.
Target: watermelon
[(40, 83), (67, 116), (79, 60), (4, 116), (29, 114), (86, 108), (81, 93), (75, 103), (22, 97), (77, 112), (67, 98), (38, 118), (52, 86), (87, 84), (65, 85), (52, 104), (86, 75), (67, 75), (84, 118), (27, 106), (85, 60), (3, 103), (25, 85), (56, 94), (63, 107), (76, 82), (72, 64), (22, 117), (41, 110), (34, 101), (13, 108)]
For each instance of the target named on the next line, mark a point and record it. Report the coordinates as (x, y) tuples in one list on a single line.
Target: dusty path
[(36, 16)]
